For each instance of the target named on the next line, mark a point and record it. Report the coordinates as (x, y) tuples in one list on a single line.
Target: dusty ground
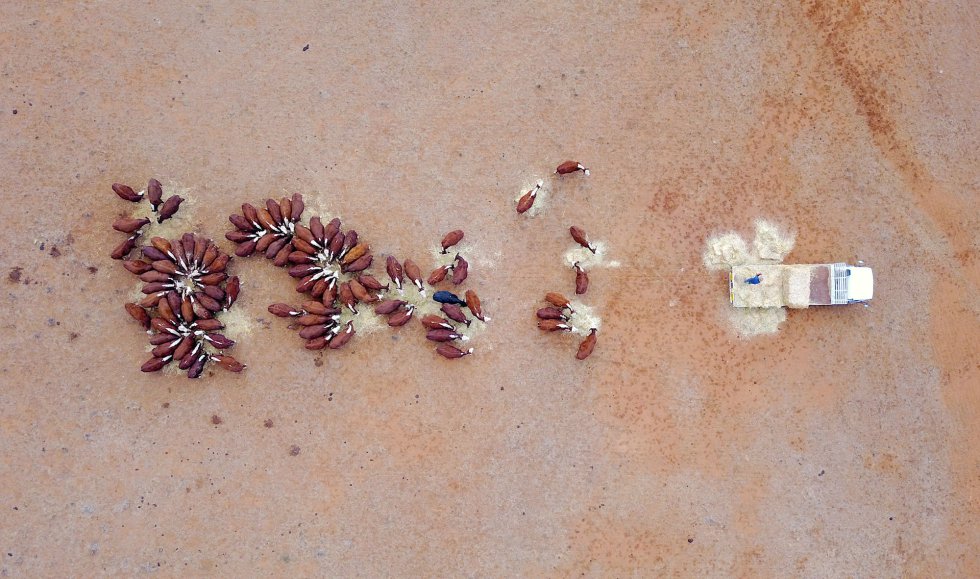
[(847, 444)]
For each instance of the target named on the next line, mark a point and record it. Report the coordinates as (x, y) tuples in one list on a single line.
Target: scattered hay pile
[(770, 243), (584, 318), (237, 323), (589, 260), (725, 251), (751, 322)]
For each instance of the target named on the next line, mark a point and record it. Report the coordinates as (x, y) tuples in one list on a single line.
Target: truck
[(800, 285)]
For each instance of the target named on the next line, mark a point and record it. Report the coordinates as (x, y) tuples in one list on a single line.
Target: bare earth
[(848, 444)]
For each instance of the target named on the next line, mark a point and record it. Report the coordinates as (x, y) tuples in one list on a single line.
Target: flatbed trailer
[(800, 285)]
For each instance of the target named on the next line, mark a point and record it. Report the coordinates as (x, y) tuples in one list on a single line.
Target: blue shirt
[(754, 280)]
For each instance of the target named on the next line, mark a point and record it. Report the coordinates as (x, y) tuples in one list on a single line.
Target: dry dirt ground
[(848, 444)]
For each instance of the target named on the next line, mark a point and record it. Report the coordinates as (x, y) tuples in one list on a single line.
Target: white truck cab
[(860, 284)]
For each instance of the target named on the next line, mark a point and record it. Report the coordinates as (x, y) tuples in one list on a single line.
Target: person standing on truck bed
[(754, 280)]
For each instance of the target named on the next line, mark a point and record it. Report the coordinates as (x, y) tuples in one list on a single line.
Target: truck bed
[(793, 286), (820, 285), (768, 294)]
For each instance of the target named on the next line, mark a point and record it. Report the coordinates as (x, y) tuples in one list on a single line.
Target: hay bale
[(796, 290)]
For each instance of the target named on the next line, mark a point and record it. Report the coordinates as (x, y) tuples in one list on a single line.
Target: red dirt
[(846, 445)]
